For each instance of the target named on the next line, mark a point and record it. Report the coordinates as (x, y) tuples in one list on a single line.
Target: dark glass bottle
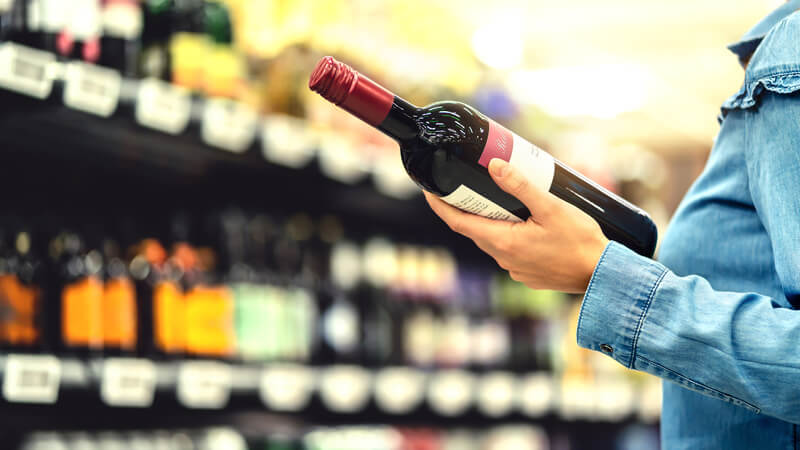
[(446, 148), (119, 303), (79, 293), (21, 282)]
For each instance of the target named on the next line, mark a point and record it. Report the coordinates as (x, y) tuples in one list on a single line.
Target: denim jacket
[(717, 316)]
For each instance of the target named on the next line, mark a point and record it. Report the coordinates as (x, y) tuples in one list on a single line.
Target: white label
[(228, 125), (576, 399), (26, 70), (286, 387), (450, 392), (128, 382), (496, 394), (470, 201), (398, 390), (91, 89), (5, 5), (204, 384), (287, 141), (164, 107), (537, 165), (345, 389), (536, 394), (31, 379)]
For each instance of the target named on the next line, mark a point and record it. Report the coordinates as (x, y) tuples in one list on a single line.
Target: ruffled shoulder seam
[(748, 95)]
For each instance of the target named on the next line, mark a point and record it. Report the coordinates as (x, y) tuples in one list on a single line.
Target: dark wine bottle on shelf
[(21, 280), (119, 304), (446, 148), (78, 291)]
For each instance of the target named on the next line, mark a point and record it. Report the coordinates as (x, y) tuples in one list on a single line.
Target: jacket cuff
[(616, 302)]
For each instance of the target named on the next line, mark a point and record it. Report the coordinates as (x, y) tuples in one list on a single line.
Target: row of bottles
[(256, 287), (186, 41)]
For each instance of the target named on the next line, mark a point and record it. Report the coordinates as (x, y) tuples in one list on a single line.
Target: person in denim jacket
[(716, 316)]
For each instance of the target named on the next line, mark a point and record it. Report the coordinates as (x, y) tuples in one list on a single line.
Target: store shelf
[(331, 394), (108, 155)]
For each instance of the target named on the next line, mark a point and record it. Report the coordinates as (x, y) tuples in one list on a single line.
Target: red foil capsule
[(341, 85)]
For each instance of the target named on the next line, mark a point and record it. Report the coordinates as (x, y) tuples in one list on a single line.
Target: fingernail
[(499, 167)]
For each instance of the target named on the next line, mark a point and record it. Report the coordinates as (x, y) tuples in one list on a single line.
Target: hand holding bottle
[(556, 248)]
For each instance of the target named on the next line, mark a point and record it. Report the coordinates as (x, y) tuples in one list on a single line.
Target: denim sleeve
[(736, 347)]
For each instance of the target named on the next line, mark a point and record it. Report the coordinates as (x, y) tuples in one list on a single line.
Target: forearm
[(734, 346)]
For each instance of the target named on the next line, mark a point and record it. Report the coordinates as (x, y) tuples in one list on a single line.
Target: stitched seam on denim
[(768, 75), (645, 309), (591, 284), (723, 395)]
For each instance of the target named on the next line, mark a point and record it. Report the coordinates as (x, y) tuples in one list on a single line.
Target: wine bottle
[(446, 148)]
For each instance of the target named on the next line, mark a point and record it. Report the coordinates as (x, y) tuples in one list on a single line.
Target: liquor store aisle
[(197, 252)]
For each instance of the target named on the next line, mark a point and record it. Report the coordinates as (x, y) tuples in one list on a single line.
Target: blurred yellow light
[(602, 91)]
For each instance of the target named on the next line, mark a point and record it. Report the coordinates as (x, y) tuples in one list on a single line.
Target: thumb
[(512, 180)]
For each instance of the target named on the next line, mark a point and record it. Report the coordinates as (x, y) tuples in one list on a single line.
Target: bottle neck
[(352, 91), (399, 123)]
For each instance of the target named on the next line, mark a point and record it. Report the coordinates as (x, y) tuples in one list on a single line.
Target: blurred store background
[(196, 252)]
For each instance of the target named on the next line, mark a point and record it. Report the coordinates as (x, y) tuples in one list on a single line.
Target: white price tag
[(345, 389), (128, 382), (576, 400), (25, 70), (91, 89), (162, 106), (398, 390), (228, 125), (536, 394), (450, 392), (615, 399), (496, 394), (287, 141), (339, 160), (31, 378), (286, 387), (204, 384)]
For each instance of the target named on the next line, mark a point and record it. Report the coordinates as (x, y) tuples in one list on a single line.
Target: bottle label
[(82, 313), (534, 162), (119, 314), (19, 304), (169, 321), (537, 165), (468, 200), (209, 321)]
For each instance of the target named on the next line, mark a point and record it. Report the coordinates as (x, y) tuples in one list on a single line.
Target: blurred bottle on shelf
[(208, 305), (188, 44), (119, 303), (121, 44), (21, 277), (82, 28), (154, 60), (78, 291)]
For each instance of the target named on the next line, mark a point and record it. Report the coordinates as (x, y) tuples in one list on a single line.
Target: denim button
[(606, 348)]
